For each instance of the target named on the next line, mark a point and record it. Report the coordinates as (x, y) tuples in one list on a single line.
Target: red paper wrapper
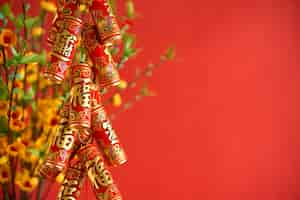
[(73, 181), (59, 153), (49, 168), (51, 37), (106, 23), (99, 174), (105, 68), (64, 46), (105, 135), (80, 96)]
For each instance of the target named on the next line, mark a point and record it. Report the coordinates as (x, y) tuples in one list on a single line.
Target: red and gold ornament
[(85, 143)]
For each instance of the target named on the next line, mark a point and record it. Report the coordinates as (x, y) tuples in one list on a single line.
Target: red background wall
[(225, 122)]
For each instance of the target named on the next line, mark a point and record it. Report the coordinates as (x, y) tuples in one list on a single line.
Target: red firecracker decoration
[(85, 143)]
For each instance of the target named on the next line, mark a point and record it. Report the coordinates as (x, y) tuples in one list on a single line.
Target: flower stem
[(4, 63)]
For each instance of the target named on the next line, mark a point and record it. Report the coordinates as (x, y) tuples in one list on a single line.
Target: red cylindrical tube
[(73, 181), (64, 46), (50, 168), (105, 68), (106, 23), (59, 153), (80, 96), (51, 37), (99, 175), (105, 135)]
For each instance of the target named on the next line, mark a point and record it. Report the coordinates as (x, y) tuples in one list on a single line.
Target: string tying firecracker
[(85, 143)]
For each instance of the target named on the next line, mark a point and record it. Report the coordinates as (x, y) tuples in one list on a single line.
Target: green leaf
[(129, 52), (3, 92), (3, 125), (32, 58), (145, 91), (128, 40), (27, 6), (13, 61), (14, 52), (7, 12), (34, 151), (130, 9), (113, 5), (29, 95), (19, 21), (170, 53), (17, 91), (33, 105), (32, 21)]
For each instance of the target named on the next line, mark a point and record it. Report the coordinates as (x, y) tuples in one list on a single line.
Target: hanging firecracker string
[(32, 102), (83, 119)]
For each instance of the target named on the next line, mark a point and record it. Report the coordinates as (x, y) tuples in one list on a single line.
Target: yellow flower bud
[(4, 173), (8, 38), (60, 178), (37, 31), (48, 6), (116, 100), (122, 85), (82, 8), (3, 160)]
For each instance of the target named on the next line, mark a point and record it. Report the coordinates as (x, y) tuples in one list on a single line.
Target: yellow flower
[(60, 178), (40, 142), (18, 84), (3, 107), (4, 173), (3, 160), (32, 72), (8, 38), (17, 125), (53, 104), (17, 113), (28, 156), (25, 181), (53, 121), (37, 31), (15, 148), (44, 83), (24, 141), (48, 6), (82, 8), (19, 119), (3, 145), (122, 85), (27, 134), (116, 100)]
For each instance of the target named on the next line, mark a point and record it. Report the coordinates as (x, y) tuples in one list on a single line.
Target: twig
[(4, 63), (132, 83), (25, 68)]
